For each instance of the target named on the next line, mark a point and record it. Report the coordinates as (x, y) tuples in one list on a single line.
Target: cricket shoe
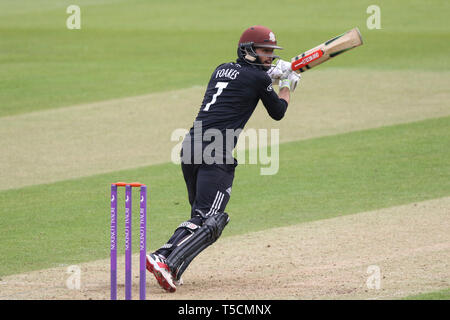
[(158, 266)]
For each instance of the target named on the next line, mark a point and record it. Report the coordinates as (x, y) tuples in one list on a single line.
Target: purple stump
[(128, 242), (113, 242), (143, 241)]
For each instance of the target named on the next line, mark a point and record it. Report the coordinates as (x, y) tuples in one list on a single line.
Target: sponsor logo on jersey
[(269, 88)]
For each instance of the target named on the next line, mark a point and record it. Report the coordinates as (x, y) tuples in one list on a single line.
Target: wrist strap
[(284, 83)]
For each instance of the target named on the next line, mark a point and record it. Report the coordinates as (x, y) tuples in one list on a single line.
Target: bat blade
[(327, 50)]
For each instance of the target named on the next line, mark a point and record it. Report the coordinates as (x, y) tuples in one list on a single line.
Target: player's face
[(263, 53)]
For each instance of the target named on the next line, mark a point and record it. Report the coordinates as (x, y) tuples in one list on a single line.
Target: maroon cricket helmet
[(256, 37), (259, 37)]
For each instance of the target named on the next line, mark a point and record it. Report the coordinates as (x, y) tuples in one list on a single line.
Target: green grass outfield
[(132, 47), (67, 222), (438, 295)]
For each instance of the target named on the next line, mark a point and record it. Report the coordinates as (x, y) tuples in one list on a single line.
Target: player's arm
[(276, 105), (285, 94), (287, 84)]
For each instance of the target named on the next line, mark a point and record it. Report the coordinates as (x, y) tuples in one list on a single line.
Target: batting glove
[(290, 81), (280, 70)]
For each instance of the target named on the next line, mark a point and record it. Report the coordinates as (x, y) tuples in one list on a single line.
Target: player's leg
[(190, 172), (156, 261), (208, 219), (213, 192), (211, 187), (190, 178)]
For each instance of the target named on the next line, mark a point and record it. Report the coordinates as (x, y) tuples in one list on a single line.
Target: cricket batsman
[(233, 92)]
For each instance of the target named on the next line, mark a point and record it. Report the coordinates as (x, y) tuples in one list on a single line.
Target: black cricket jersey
[(232, 95)]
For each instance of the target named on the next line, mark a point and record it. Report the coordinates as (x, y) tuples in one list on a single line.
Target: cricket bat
[(326, 50)]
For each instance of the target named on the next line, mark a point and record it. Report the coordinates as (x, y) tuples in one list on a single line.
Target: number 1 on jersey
[(220, 86)]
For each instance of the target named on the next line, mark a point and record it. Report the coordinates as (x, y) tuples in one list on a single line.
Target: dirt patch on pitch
[(79, 141), (388, 253)]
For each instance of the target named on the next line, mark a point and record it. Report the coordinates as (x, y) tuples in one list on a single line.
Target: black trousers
[(209, 190), (208, 187)]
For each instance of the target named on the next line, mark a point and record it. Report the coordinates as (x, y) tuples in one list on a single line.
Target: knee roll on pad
[(184, 230), (189, 248)]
